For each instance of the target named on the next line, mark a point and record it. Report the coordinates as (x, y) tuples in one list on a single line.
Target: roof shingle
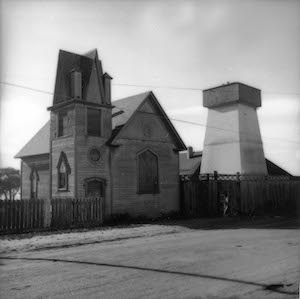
[(39, 144)]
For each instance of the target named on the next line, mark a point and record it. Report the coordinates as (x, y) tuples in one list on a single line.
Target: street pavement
[(192, 263)]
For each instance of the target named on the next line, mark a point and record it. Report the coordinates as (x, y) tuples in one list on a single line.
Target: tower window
[(62, 123), (93, 122)]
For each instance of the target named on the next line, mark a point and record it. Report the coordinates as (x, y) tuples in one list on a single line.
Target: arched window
[(147, 172), (34, 179), (94, 187), (63, 171)]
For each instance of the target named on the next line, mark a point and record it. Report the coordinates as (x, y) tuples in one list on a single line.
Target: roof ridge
[(135, 95)]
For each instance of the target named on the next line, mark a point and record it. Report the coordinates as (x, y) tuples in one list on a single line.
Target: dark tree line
[(9, 182)]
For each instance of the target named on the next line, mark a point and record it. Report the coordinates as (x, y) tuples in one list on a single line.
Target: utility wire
[(158, 86), (173, 119), (148, 86)]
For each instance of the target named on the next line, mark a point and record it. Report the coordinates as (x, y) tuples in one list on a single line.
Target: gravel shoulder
[(16, 243)]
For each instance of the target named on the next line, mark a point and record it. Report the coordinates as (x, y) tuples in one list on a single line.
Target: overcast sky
[(184, 44)]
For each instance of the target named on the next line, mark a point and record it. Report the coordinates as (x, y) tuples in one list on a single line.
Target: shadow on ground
[(259, 222), (277, 288)]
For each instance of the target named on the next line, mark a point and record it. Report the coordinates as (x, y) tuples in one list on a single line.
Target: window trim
[(157, 191), (62, 113), (34, 172), (91, 179)]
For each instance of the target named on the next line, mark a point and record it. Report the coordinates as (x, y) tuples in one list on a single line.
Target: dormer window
[(76, 84), (63, 171)]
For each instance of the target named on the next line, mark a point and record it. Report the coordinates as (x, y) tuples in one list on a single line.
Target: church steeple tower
[(81, 121)]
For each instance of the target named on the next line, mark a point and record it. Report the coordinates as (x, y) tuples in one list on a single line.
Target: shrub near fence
[(247, 194), (21, 215)]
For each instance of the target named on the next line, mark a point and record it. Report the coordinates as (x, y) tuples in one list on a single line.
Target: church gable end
[(149, 122)]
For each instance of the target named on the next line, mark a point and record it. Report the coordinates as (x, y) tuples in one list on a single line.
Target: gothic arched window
[(63, 171), (34, 179), (147, 172)]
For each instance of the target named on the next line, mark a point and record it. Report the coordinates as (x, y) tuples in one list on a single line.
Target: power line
[(217, 128), (147, 86), (26, 87), (158, 86), (173, 119), (193, 88)]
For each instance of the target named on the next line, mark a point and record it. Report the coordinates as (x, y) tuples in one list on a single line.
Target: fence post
[(216, 196), (239, 194), (47, 212), (266, 200)]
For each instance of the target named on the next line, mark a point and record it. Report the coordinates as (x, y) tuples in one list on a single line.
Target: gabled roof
[(274, 169), (189, 166), (121, 113), (92, 54), (126, 108), (39, 144)]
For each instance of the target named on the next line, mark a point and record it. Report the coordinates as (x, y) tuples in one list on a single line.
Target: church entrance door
[(95, 188)]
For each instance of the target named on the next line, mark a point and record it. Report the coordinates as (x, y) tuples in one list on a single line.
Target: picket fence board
[(257, 195), (28, 214)]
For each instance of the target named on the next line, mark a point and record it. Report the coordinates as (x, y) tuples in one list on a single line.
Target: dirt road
[(189, 263)]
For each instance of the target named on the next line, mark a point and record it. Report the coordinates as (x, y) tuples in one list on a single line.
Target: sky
[(174, 48)]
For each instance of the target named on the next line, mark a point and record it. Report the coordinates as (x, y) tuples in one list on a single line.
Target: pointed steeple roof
[(92, 54), (92, 76)]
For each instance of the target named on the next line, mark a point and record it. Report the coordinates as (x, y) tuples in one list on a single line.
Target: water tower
[(232, 140)]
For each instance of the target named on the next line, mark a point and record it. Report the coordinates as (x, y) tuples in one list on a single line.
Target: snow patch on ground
[(42, 241)]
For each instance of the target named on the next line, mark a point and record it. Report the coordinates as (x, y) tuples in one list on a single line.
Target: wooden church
[(126, 151)]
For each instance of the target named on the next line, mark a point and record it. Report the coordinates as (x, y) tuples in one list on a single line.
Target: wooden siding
[(146, 126), (41, 164), (126, 198), (145, 131), (85, 168), (66, 145)]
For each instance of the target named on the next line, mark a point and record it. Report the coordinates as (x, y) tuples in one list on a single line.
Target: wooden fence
[(79, 212), (247, 194), (21, 215), (29, 215)]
